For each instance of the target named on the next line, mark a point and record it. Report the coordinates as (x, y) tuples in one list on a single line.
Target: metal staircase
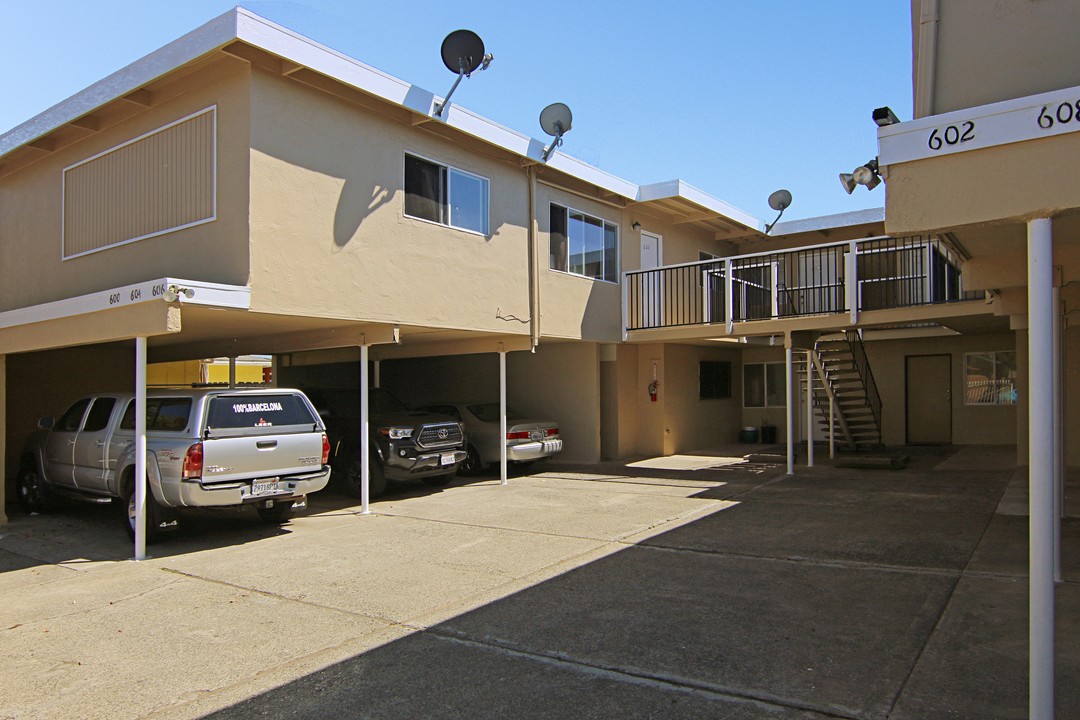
[(845, 393)]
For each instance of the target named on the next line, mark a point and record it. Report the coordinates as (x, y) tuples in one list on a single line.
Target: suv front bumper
[(404, 462)]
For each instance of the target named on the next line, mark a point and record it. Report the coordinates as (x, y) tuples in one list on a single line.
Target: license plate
[(264, 487), (447, 459)]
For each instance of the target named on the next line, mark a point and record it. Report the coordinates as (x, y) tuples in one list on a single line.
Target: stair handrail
[(830, 393), (862, 366)]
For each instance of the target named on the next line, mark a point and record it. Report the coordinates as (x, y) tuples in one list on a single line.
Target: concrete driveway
[(597, 592)]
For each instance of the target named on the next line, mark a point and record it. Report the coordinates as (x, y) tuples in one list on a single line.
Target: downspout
[(926, 68), (534, 262)]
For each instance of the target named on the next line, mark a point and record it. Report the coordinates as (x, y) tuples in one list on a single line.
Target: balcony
[(835, 279)]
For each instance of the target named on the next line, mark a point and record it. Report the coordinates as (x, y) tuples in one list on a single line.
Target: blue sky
[(735, 98)]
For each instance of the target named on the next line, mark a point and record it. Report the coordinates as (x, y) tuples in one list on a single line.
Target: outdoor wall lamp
[(636, 225), (863, 175), (173, 293)]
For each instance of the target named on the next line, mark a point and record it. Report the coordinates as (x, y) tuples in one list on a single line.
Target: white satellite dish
[(556, 120)]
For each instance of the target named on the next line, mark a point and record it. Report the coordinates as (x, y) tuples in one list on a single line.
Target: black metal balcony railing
[(826, 279)]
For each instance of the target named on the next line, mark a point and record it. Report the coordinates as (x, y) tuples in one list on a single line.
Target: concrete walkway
[(600, 592)]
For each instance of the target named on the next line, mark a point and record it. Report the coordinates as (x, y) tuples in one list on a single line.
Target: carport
[(177, 319)]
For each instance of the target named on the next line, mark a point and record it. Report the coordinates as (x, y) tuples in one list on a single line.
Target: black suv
[(405, 444)]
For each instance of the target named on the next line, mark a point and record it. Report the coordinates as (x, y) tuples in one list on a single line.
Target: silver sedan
[(527, 440)]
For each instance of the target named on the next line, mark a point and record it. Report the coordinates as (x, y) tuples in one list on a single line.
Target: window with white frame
[(764, 385), (584, 245), (445, 195), (990, 378)]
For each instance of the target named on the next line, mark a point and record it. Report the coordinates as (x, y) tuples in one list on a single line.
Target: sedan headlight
[(397, 433)]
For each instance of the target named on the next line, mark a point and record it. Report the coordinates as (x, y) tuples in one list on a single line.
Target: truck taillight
[(193, 461), (325, 449), (522, 435)]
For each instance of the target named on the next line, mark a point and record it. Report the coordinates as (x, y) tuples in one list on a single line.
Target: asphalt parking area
[(605, 591)]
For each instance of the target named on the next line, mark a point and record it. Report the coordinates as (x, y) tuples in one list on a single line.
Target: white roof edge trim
[(214, 34), (244, 25), (826, 222), (680, 189), (206, 293)]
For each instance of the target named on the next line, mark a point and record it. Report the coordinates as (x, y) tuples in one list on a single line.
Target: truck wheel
[(471, 465), (376, 477), (31, 490), (277, 514), (127, 515)]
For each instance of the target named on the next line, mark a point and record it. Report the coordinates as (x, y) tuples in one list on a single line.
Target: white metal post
[(140, 448), (1059, 470), (232, 372), (809, 409), (832, 427), (851, 280), (1041, 469), (502, 416), (729, 298), (365, 433), (790, 412)]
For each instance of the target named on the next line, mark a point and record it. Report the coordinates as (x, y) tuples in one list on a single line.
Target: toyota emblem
[(443, 433)]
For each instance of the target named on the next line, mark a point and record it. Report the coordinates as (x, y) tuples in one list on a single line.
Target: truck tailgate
[(241, 458)]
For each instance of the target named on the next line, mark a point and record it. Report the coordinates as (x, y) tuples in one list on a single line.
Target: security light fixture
[(885, 116), (462, 53), (863, 175), (636, 225), (175, 292), (781, 201)]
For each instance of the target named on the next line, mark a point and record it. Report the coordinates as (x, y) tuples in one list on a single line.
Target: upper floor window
[(445, 195), (583, 245)]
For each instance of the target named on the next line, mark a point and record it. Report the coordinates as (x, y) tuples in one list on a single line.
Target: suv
[(405, 444), (264, 448)]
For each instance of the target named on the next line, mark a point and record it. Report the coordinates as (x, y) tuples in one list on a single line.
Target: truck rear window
[(168, 414), (227, 412)]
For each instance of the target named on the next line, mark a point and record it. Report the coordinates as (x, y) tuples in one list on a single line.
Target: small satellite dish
[(555, 120), (462, 53), (779, 201)]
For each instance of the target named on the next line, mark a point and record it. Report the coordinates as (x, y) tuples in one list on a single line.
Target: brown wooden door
[(928, 391)]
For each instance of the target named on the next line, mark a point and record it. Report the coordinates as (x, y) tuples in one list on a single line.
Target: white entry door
[(652, 256)]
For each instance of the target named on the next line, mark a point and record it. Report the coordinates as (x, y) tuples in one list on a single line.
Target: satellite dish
[(555, 120), (462, 53), (779, 201)]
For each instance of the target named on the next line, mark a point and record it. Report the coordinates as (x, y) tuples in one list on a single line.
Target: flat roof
[(242, 25)]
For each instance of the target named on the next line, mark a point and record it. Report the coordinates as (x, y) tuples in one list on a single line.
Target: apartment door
[(928, 391), (652, 256)]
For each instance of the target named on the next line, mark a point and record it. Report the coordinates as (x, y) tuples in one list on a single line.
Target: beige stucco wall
[(329, 235), (46, 383), (693, 423), (971, 424), (991, 51), (31, 268), (1031, 179)]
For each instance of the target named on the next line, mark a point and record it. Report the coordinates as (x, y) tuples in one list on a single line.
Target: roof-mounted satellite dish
[(555, 120), (462, 53), (780, 201)]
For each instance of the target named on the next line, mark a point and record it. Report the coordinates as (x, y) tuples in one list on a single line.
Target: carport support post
[(502, 416), (140, 448), (365, 441), (232, 372), (809, 408), (790, 411), (1041, 469), (1059, 474)]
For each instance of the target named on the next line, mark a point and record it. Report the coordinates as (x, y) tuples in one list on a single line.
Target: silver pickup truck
[(205, 448)]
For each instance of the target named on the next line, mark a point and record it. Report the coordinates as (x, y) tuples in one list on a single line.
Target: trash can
[(768, 434), (748, 435)]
